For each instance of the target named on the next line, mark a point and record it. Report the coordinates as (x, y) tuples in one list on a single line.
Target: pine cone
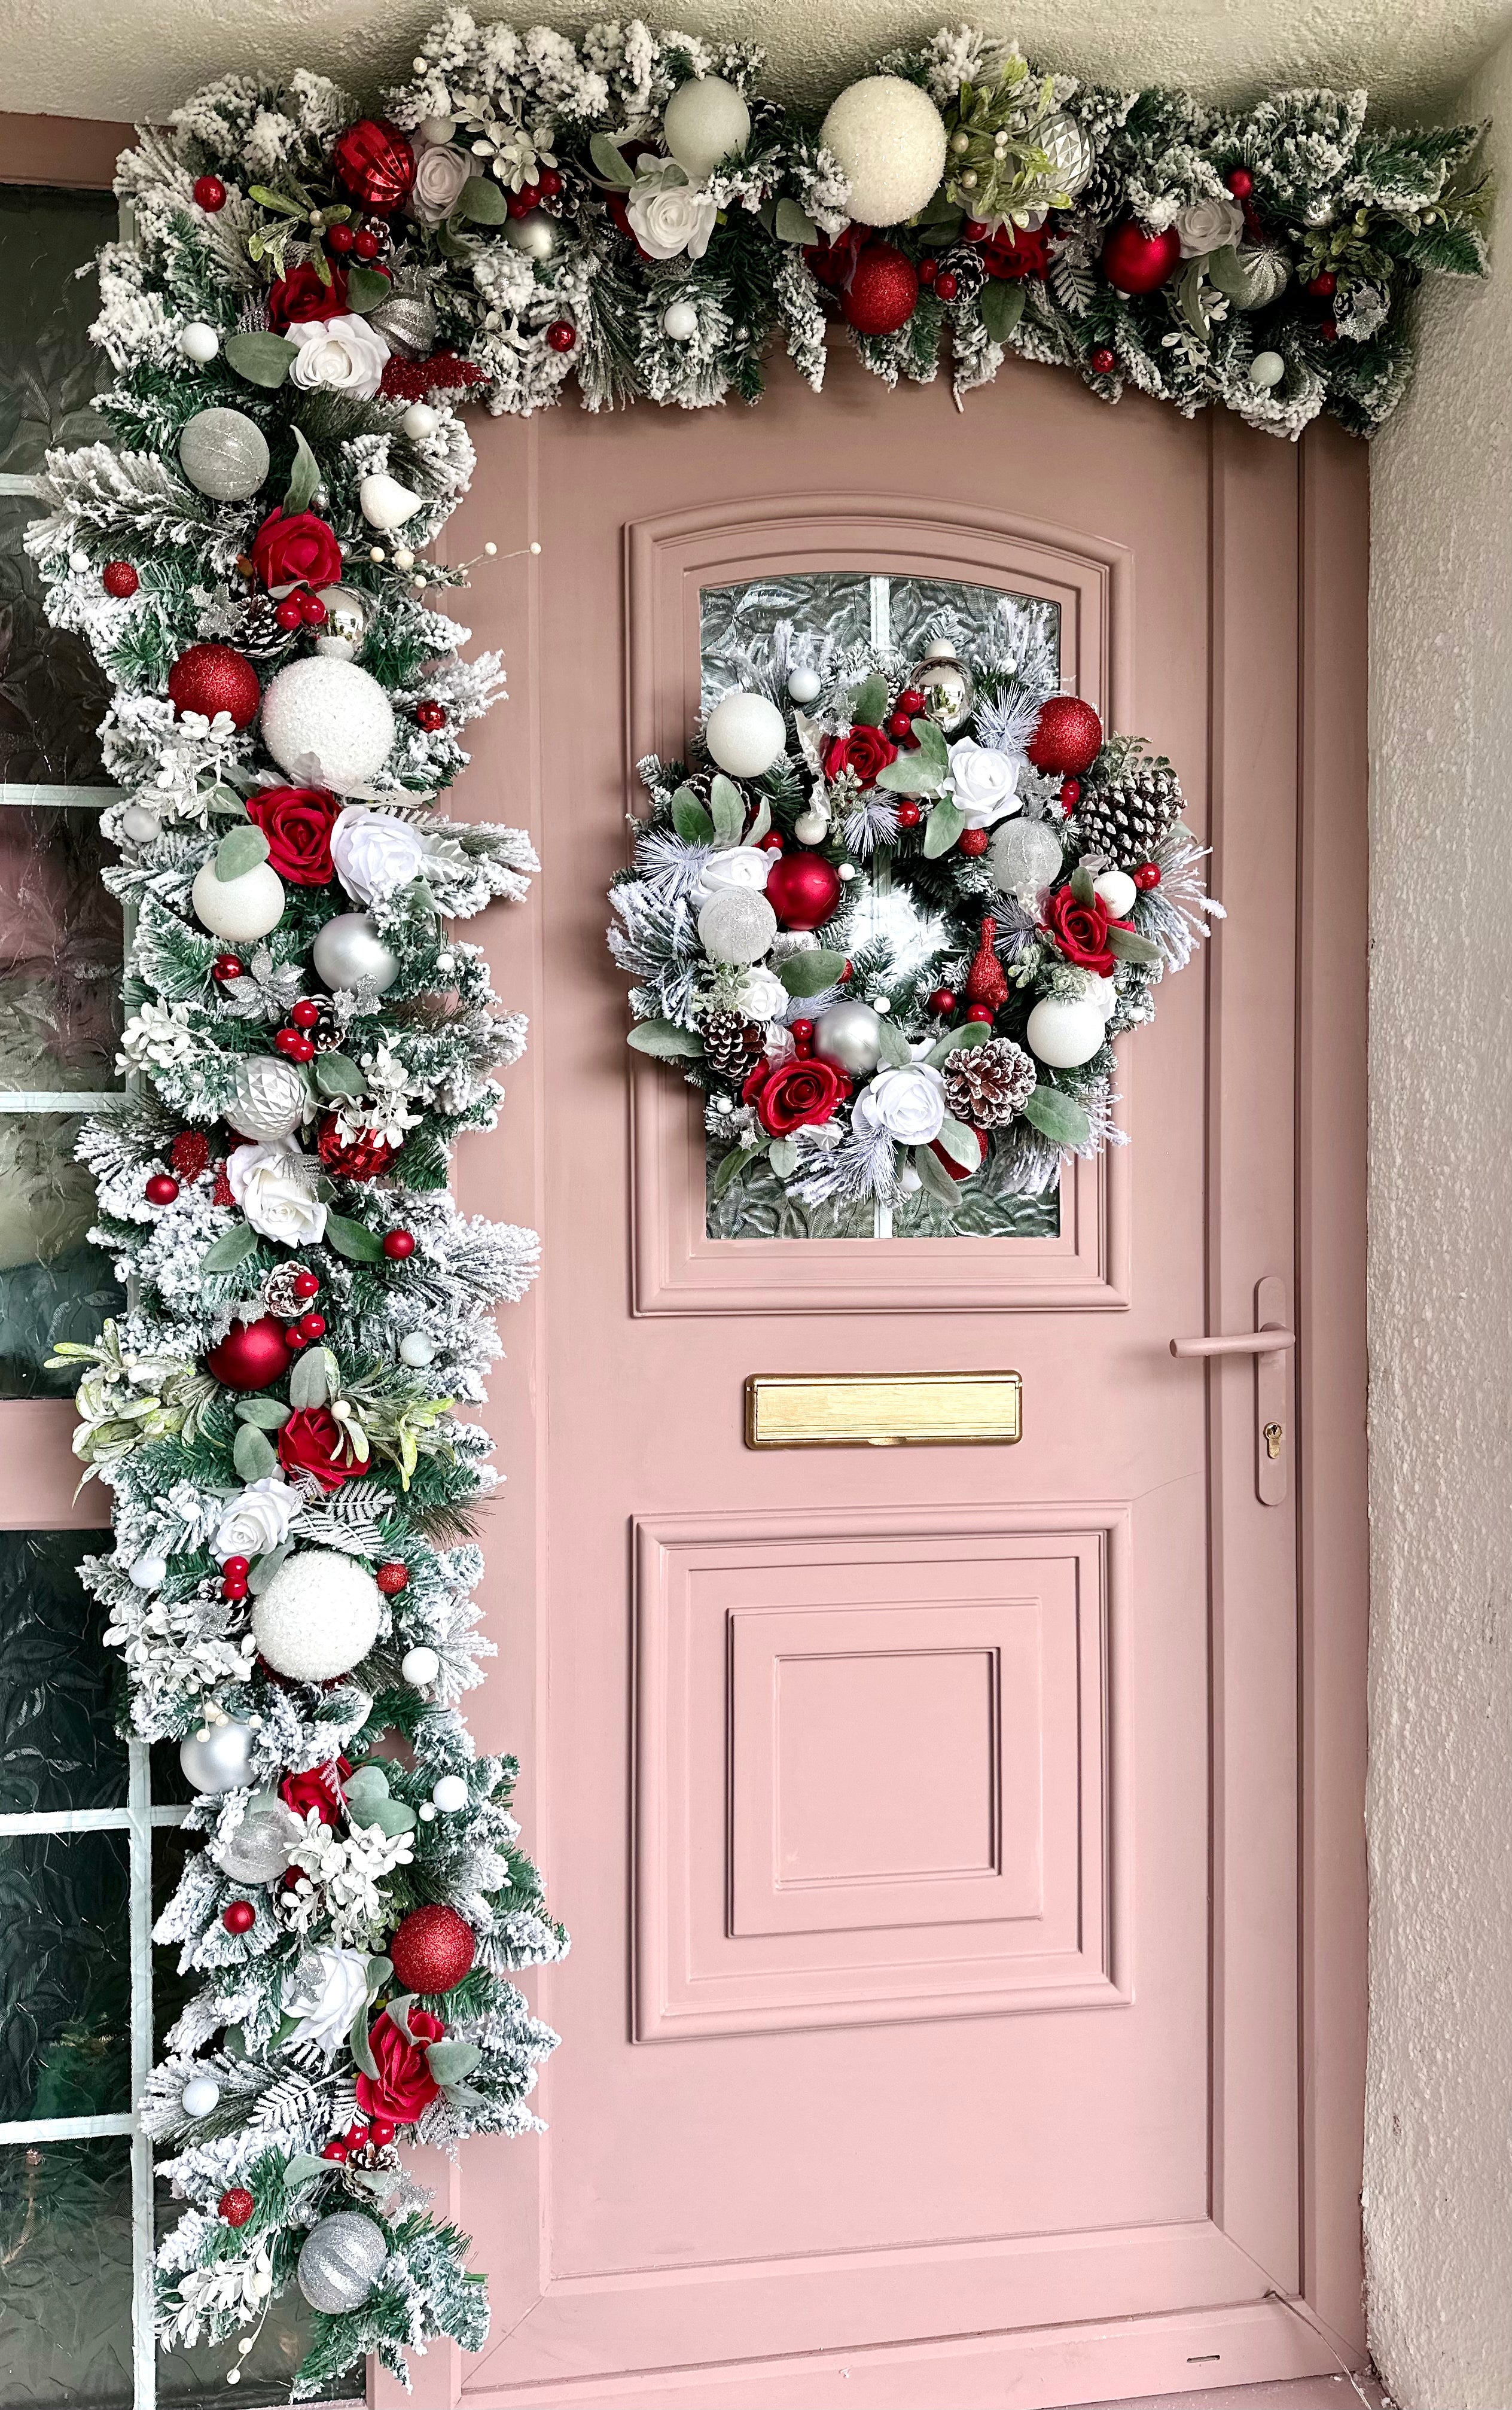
[(729, 1043), (1127, 818), (986, 1085)]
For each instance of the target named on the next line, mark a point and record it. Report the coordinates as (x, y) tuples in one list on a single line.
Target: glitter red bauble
[(250, 1354), (986, 982), (1068, 737), (430, 716), (1136, 262), (215, 677), (362, 1158), (240, 1917), (375, 163), (189, 1153), (118, 578), (397, 1244), (802, 890), (237, 2206), (1104, 360), (973, 841), (210, 193), (882, 291), (432, 1950), (561, 335), (392, 1578)]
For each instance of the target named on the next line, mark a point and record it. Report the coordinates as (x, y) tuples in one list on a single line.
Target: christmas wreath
[(892, 917)]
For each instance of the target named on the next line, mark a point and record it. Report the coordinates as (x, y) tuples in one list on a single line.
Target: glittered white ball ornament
[(341, 2261), (150, 1572), (198, 342), (1023, 858), (223, 454), (271, 1097), (804, 685), (348, 953), (416, 1349), (199, 2095), (736, 925), (745, 733), (705, 121), (319, 1616), (890, 140), (327, 723), (222, 1762), (850, 1034), (534, 234), (384, 503), (1065, 1030), (1266, 370), (244, 907), (420, 1666), (1117, 891), (679, 320)]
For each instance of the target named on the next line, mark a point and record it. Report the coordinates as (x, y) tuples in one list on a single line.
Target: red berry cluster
[(300, 609), (529, 196), (364, 243), (378, 2131), (294, 1041), (309, 1328), (430, 715)]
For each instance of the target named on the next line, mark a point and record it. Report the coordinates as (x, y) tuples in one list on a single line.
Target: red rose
[(1015, 252), (803, 1089), (866, 751), (318, 1787), (312, 1441), (403, 2086), (298, 551), (302, 295), (297, 823), (1081, 931)]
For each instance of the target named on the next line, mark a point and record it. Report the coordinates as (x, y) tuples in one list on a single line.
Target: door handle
[(1270, 1339), (1268, 1347)]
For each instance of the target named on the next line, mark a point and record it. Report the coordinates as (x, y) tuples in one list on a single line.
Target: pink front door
[(960, 1844)]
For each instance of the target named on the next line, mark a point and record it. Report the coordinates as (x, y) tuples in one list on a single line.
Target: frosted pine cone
[(986, 1085), (1127, 818), (729, 1043)]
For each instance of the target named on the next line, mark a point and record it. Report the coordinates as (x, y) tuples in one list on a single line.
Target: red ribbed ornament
[(1067, 737), (362, 1158), (802, 890), (432, 1950), (375, 163), (215, 677), (883, 289)]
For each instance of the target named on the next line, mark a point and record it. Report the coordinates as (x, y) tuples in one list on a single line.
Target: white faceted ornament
[(341, 2261), (890, 140), (270, 1097), (850, 1034), (199, 2095), (223, 454), (384, 503), (679, 320), (736, 925), (705, 121), (319, 1616), (198, 342), (1065, 143), (222, 1762), (328, 723), (420, 1666), (243, 908), (348, 953), (1117, 891), (1065, 1031), (745, 733)]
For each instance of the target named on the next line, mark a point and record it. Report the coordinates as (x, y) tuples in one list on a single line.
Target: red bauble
[(366, 244), (432, 1950), (118, 578), (240, 1917), (430, 716), (375, 163), (162, 1188), (1323, 285), (1103, 360), (561, 334), (909, 814), (1240, 182), (983, 1013), (947, 286), (237, 2206), (226, 967), (960, 1170), (942, 1001), (802, 890), (1147, 876), (209, 192), (215, 677), (973, 841), (397, 1244), (362, 1158), (1068, 737), (1137, 262), (252, 1354), (882, 291), (392, 1578), (306, 1284)]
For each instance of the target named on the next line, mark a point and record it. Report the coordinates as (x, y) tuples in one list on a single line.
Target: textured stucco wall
[(1438, 2154)]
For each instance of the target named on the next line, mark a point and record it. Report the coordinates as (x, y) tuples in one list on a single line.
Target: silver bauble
[(224, 454), (140, 823), (348, 953), (222, 1762), (341, 2261), (736, 925), (271, 1097), (947, 685), (408, 323), (1023, 858), (850, 1034), (260, 1849), (1252, 277), (1065, 144), (535, 234), (345, 628)]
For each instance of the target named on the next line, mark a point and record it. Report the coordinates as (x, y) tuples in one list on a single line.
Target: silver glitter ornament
[(1023, 858), (223, 453), (221, 1763), (341, 2261), (271, 1097), (408, 323), (850, 1034), (535, 235), (260, 1849), (736, 925), (348, 953), (947, 686)]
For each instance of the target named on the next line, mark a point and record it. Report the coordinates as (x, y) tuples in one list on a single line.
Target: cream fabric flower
[(274, 1185), (328, 1988), (905, 1099), (345, 354), (670, 217), (440, 170), (983, 781), (256, 1521), (1208, 224)]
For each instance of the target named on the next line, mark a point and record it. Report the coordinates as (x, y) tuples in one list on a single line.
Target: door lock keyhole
[(1274, 1434)]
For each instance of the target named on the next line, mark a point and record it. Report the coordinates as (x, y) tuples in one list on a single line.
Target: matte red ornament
[(1067, 737), (189, 1153), (162, 1188), (986, 982), (430, 716), (1136, 262), (210, 193), (960, 1170), (391, 1579), (1147, 876), (120, 578), (215, 677), (802, 890), (883, 289), (973, 841), (240, 1917), (237, 2206), (362, 1158), (561, 335), (433, 1948), (397, 1244), (252, 1354), (375, 163), (1240, 182)]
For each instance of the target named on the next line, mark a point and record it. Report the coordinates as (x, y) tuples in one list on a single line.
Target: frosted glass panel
[(53, 1284), (58, 1743), (65, 2293)]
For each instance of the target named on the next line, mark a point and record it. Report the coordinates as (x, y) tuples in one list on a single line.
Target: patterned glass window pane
[(60, 953), (53, 1284), (58, 1743), (64, 1984), (66, 2292)]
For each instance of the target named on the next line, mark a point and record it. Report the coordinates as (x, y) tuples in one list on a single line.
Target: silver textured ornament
[(850, 1034), (271, 1097), (221, 1763), (1065, 144), (408, 322), (1253, 276), (1023, 858), (341, 2261), (261, 1848), (535, 235), (736, 925), (223, 453), (140, 823), (345, 630), (349, 954), (946, 684)]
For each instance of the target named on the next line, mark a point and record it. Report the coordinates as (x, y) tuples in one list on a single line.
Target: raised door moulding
[(676, 1268)]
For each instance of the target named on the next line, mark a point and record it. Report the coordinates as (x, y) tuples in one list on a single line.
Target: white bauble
[(327, 723), (243, 908), (1065, 1030), (263, 1845), (420, 421), (348, 953), (416, 1349), (736, 925), (319, 1616), (890, 139), (1266, 370), (804, 685), (222, 1762), (420, 1666), (705, 121), (199, 2095), (449, 1793), (1117, 891), (198, 342), (535, 234), (384, 503), (140, 823), (850, 1034), (679, 320), (341, 2261), (745, 733), (271, 1097), (812, 826), (150, 1572), (223, 454), (1023, 857)]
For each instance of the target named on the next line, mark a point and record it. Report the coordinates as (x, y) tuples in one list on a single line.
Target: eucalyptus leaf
[(484, 201), (896, 1050), (269, 1414), (357, 2043), (307, 1380), (868, 705), (970, 1033), (691, 820), (611, 163), (352, 1239), (304, 477), (811, 972), (794, 225), (734, 1165), (664, 1038), (266, 1566), (240, 850), (452, 2061), (260, 359), (1002, 306), (366, 290), (783, 1157), (337, 1075), (728, 807), (228, 1251), (1057, 1117), (943, 828), (252, 1453), (304, 2167), (1130, 947)]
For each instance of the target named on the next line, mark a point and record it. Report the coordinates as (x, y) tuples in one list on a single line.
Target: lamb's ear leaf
[(664, 1040), (943, 828), (1002, 306), (269, 1414), (960, 1143), (266, 1566), (240, 850), (451, 2061), (357, 2043), (337, 1075), (251, 1453), (810, 973), (1082, 885), (224, 1252), (970, 1033), (734, 1165), (691, 820), (352, 1239), (260, 359), (1057, 1117), (1130, 947), (484, 201), (760, 825), (307, 1380), (896, 1051), (304, 477), (935, 1177), (868, 705), (793, 223), (611, 163), (728, 807)]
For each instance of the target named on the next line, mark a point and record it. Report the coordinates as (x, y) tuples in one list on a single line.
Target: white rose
[(907, 1100), (328, 1988), (745, 866), (274, 1185), (373, 853), (257, 1520), (1207, 225), (345, 354), (669, 218), (763, 995), (440, 170), (982, 783)]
